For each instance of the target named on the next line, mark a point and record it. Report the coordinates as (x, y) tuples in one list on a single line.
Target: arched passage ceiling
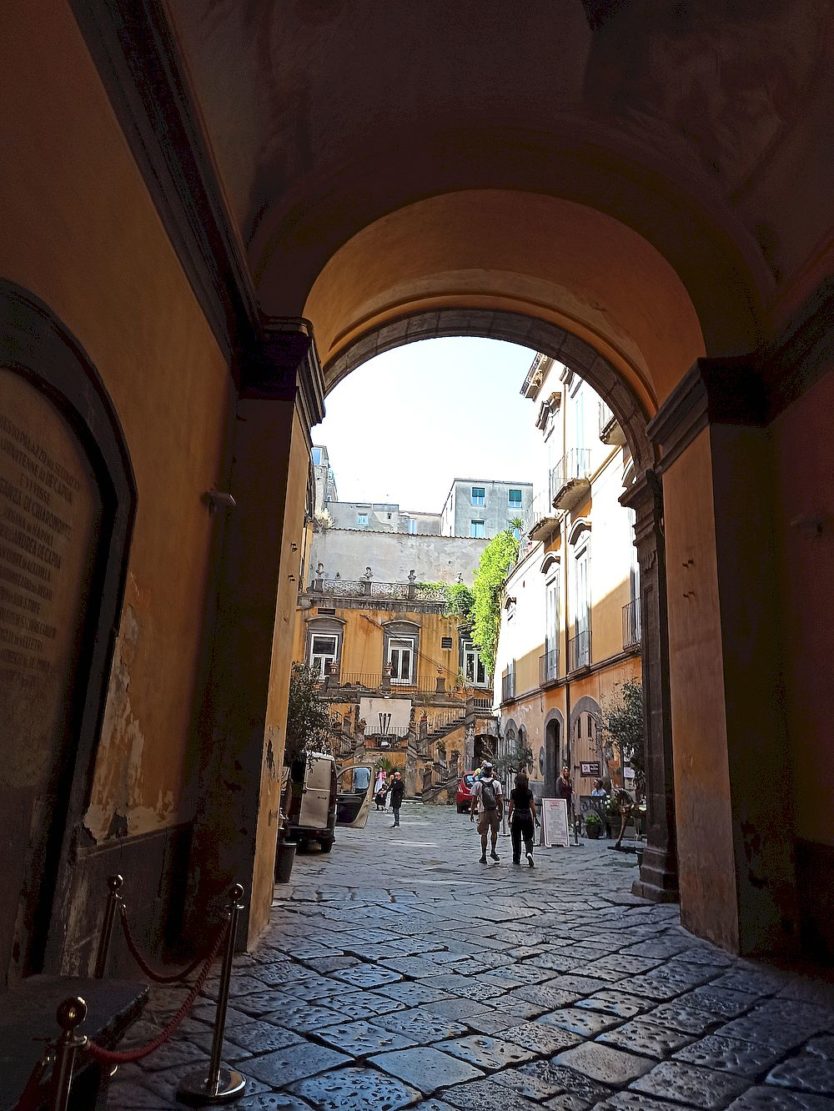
[(685, 122), (552, 260)]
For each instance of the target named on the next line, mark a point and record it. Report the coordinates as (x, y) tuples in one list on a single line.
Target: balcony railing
[(540, 517), (379, 680), (579, 650), (631, 624), (508, 685), (366, 588), (610, 431), (569, 479), (549, 666)]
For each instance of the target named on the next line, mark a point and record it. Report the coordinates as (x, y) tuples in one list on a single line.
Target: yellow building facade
[(570, 622), (400, 674)]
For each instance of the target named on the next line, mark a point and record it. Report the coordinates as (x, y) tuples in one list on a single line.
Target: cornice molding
[(713, 391), (286, 367), (750, 389), (137, 56), (802, 352)]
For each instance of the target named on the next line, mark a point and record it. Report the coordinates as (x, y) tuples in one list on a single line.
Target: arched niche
[(67, 503)]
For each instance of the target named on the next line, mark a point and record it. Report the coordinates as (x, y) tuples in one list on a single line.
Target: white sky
[(406, 423)]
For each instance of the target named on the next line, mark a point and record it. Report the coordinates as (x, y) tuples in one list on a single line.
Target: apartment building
[(570, 623), (482, 508)]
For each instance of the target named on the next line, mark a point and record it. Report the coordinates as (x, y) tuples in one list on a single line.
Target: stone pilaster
[(659, 871)]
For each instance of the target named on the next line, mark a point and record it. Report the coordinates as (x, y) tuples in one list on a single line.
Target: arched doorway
[(66, 509), (553, 731)]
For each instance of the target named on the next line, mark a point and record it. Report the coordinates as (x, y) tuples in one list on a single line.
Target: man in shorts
[(486, 798)]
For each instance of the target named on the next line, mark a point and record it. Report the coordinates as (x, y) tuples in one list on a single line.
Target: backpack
[(488, 795)]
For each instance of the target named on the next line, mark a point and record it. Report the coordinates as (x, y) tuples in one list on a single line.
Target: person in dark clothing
[(564, 790), (396, 790), (522, 818)]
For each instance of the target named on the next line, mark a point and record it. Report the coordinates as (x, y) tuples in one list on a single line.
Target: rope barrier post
[(219, 1084), (114, 884), (71, 1013)]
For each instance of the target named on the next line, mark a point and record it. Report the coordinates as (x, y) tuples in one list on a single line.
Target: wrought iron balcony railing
[(549, 666), (366, 588), (579, 650), (631, 624), (572, 469)]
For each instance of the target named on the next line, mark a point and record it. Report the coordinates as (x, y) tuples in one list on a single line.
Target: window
[(446, 642), (324, 650), (401, 659), (582, 608), (515, 499), (477, 529), (361, 518), (316, 456), (479, 495), (473, 669)]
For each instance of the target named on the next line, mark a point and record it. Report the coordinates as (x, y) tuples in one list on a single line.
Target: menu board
[(555, 822)]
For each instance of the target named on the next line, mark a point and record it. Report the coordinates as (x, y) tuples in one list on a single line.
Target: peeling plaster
[(119, 806)]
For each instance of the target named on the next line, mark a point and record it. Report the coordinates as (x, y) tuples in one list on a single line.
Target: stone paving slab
[(427, 1067), (406, 975)]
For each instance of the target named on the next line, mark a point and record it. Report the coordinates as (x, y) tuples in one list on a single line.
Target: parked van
[(317, 799)]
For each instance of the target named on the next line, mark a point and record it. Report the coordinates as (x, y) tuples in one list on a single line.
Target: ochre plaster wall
[(702, 786), (804, 521), (362, 647), (80, 231), (295, 480)]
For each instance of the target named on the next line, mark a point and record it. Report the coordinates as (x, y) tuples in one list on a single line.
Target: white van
[(316, 799)]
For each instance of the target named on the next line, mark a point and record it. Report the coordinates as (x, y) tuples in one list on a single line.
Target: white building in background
[(570, 629)]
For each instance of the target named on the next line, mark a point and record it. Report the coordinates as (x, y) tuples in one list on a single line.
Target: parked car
[(463, 796), (317, 799)]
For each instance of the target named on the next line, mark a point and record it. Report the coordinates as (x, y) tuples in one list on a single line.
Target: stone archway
[(554, 739), (658, 874)]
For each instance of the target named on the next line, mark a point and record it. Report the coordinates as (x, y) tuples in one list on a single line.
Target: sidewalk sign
[(555, 822)]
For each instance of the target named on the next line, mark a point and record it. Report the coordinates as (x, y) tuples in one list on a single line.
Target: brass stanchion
[(219, 1084), (71, 1013), (114, 883)]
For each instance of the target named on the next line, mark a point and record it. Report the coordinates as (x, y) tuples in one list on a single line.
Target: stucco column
[(243, 724), (659, 870), (731, 771)]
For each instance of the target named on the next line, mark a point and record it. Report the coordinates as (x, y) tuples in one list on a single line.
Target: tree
[(497, 558), (623, 725), (459, 600), (309, 728)]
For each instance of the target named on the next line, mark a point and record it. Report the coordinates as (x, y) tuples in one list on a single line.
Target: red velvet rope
[(157, 977), (124, 1057)]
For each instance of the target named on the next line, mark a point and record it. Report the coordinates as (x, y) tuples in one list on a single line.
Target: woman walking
[(522, 818)]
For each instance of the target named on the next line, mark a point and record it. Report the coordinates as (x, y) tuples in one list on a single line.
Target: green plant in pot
[(593, 825)]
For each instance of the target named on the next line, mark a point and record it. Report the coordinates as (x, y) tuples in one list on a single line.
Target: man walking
[(396, 789), (486, 796)]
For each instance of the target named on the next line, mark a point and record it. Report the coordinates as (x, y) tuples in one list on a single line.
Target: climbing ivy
[(497, 558)]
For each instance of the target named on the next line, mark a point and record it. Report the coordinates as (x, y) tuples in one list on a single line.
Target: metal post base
[(196, 1090)]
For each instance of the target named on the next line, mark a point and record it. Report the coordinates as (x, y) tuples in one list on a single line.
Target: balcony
[(433, 596), (579, 651), (570, 479), (508, 685), (631, 624), (540, 519), (549, 667), (610, 431)]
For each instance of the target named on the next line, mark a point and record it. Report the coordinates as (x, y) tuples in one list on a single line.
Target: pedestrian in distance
[(564, 790), (522, 818), (379, 789), (396, 789), (487, 797)]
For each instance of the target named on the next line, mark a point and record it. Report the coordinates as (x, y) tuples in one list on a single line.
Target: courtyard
[(398, 972)]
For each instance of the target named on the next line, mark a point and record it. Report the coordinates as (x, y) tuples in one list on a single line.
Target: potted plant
[(593, 825)]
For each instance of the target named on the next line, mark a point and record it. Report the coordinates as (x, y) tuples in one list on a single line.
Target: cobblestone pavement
[(399, 972)]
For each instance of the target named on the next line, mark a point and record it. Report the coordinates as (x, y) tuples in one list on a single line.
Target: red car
[(463, 797)]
